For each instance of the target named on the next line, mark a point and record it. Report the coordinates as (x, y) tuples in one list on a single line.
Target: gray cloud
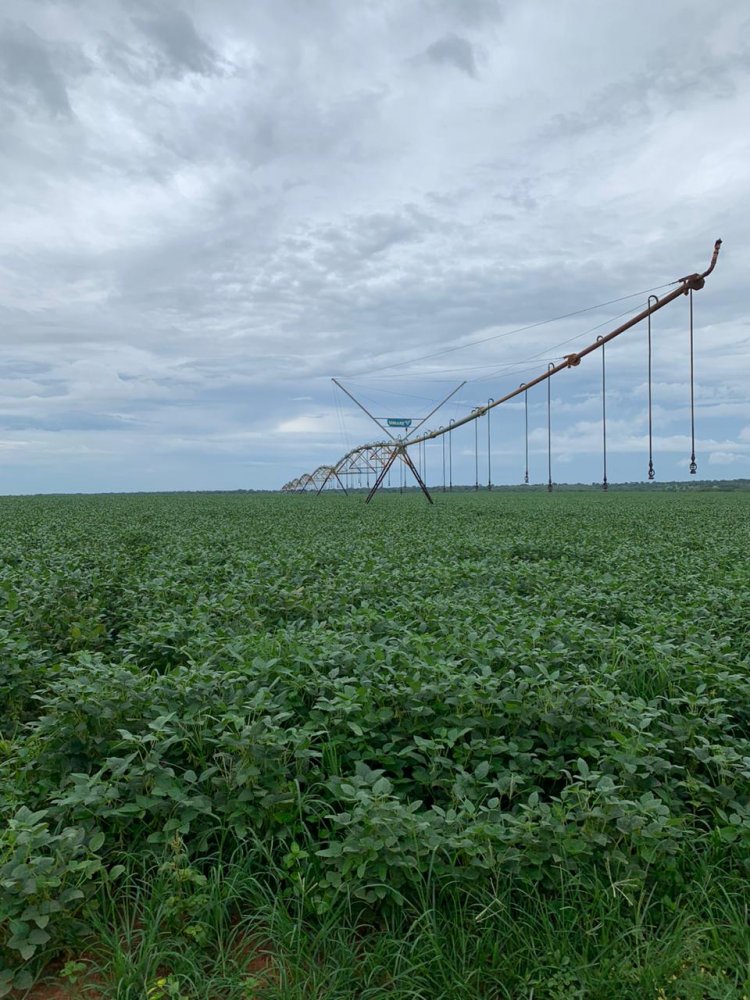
[(181, 49), (160, 41), (471, 13), (28, 71), (455, 51)]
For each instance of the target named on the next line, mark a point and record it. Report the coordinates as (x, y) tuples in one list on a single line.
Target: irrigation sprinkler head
[(694, 282)]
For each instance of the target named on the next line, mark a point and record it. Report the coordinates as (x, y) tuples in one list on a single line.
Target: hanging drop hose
[(442, 439), (489, 446), (651, 473), (526, 422), (451, 422), (550, 366), (605, 484), (693, 464)]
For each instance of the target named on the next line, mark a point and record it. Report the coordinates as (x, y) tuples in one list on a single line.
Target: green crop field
[(288, 747)]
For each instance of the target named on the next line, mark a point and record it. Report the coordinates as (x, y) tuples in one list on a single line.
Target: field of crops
[(288, 747)]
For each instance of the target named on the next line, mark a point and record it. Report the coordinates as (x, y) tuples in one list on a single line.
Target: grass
[(579, 938)]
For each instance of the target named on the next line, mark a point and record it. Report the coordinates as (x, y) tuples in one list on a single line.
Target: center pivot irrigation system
[(377, 459)]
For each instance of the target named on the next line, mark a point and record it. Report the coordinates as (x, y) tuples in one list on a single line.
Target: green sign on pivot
[(399, 422)]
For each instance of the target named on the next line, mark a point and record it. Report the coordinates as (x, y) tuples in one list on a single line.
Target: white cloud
[(725, 458), (310, 424)]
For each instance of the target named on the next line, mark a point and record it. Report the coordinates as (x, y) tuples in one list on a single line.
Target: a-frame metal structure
[(386, 454)]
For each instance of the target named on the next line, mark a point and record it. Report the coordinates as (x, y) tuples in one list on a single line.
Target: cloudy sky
[(211, 207)]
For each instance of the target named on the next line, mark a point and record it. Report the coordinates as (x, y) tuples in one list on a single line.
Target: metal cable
[(510, 366), (548, 351), (358, 385), (340, 419), (509, 333)]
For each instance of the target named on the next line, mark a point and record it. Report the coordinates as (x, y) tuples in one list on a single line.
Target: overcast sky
[(211, 208)]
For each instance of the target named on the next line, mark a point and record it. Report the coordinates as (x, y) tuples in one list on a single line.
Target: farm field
[(294, 747)]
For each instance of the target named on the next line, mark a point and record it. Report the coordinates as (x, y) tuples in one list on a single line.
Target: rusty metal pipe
[(691, 281)]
